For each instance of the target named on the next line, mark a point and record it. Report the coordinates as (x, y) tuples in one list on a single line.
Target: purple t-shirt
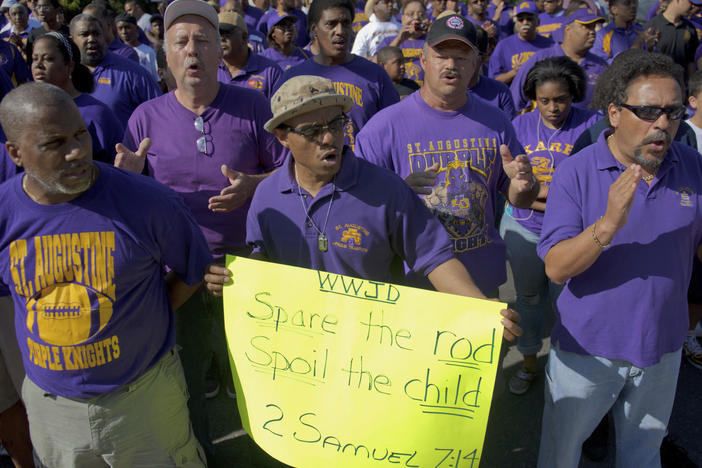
[(611, 41), (374, 218), (235, 137), (592, 65), (301, 24), (411, 50), (286, 61), (505, 23), (631, 303), (549, 24), (12, 62), (105, 130), (496, 93), (367, 83), (546, 149), (252, 15), (120, 48), (122, 85), (411, 136), (259, 73), (360, 18), (512, 52), (91, 304)]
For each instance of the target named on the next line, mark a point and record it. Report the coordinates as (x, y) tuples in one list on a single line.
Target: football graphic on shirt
[(66, 314)]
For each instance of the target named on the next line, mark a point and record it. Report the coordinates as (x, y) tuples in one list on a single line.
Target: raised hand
[(132, 161), (241, 188), (423, 182), (518, 170), (620, 200)]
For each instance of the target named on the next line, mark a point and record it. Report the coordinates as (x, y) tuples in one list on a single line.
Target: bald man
[(93, 309)]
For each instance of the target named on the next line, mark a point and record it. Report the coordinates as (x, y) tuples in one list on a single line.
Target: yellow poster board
[(334, 371)]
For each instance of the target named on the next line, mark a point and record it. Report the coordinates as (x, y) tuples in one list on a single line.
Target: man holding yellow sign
[(326, 209)]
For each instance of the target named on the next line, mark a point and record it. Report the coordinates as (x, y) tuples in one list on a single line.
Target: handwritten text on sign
[(337, 371)]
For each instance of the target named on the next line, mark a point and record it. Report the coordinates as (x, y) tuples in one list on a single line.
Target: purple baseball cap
[(582, 16), (527, 7), (275, 19)]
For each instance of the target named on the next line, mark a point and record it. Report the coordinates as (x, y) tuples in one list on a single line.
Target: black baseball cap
[(452, 27)]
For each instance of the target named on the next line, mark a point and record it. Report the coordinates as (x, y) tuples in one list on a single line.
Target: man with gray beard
[(620, 231)]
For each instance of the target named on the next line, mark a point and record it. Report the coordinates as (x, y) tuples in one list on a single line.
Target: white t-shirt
[(372, 34), (698, 134), (147, 59)]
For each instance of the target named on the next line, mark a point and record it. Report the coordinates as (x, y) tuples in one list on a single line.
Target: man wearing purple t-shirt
[(93, 308), (623, 32), (240, 66), (552, 17), (455, 150), (209, 145), (578, 39), (119, 83), (511, 52), (362, 80), (621, 228)]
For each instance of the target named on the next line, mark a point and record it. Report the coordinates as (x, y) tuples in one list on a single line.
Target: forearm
[(452, 277), (506, 77), (573, 256), (523, 199), (178, 292), (538, 205)]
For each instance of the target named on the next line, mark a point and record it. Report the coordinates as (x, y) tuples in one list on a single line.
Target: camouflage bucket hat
[(302, 94)]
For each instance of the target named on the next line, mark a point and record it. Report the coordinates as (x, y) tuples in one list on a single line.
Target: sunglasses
[(314, 132), (653, 113), (202, 142)]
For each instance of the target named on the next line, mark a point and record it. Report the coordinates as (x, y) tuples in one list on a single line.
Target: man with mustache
[(119, 83), (578, 37), (620, 231), (454, 149), (93, 307), (511, 52), (209, 145)]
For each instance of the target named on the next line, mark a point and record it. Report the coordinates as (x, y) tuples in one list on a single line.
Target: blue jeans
[(581, 389), (534, 289)]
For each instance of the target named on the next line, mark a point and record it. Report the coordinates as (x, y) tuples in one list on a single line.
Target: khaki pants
[(145, 423)]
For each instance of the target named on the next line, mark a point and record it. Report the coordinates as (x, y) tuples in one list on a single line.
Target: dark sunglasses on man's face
[(653, 113), (312, 132)]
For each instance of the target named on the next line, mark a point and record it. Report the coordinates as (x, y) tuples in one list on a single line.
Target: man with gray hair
[(93, 308), (620, 231), (119, 83), (209, 145)]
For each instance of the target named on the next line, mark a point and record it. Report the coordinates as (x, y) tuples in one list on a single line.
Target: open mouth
[(331, 158)]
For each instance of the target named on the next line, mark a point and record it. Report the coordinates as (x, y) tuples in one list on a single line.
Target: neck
[(447, 103), (329, 60), (70, 89), (672, 16), (575, 54), (288, 48), (479, 17), (236, 61), (281, 8), (312, 183), (50, 24), (134, 43), (197, 99), (697, 118), (619, 23)]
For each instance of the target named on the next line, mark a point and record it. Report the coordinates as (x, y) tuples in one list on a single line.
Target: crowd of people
[(427, 145)]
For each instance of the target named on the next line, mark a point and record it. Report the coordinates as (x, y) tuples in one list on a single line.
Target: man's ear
[(282, 137), (614, 113), (14, 152)]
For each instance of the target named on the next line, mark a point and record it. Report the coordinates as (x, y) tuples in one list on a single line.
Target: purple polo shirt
[(610, 40), (496, 93), (512, 52), (301, 24), (546, 149), (259, 73), (505, 23), (374, 218), (548, 24), (286, 61), (122, 85), (235, 137), (411, 136), (252, 15), (591, 64), (480, 23), (367, 83), (631, 303), (103, 125), (120, 48), (411, 49)]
